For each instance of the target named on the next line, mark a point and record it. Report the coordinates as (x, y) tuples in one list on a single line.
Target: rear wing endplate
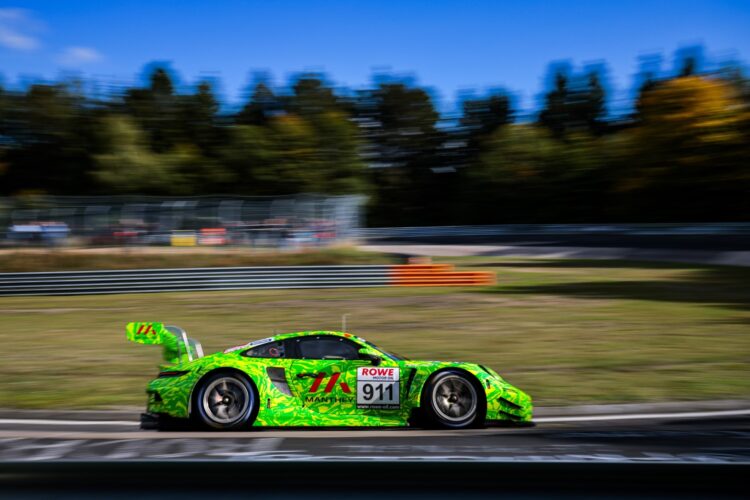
[(177, 347)]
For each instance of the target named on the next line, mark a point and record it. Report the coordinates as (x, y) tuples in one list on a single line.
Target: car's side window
[(269, 350), (326, 347)]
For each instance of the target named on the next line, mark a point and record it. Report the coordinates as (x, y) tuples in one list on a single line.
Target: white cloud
[(14, 27), (76, 56)]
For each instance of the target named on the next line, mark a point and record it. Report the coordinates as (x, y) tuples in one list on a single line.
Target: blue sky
[(449, 46)]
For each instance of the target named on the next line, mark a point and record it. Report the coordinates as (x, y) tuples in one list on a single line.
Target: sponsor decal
[(377, 374), (331, 383), (378, 388), (145, 330), (327, 399)]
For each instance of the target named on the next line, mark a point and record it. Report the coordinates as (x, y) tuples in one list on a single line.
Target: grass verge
[(167, 257)]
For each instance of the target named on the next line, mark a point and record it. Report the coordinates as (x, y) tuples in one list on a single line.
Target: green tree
[(576, 103), (156, 110), (485, 115), (689, 148), (401, 125), (341, 166), (525, 174), (129, 165), (262, 106), (311, 96), (199, 121), (48, 131)]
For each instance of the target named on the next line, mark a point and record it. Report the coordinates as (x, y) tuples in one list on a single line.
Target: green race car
[(318, 378)]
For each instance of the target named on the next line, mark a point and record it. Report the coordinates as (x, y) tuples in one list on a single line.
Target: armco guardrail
[(235, 278)]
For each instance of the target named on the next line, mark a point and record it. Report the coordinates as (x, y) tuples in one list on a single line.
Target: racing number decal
[(378, 388)]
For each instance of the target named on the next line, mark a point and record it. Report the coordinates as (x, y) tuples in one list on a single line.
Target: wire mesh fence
[(274, 222)]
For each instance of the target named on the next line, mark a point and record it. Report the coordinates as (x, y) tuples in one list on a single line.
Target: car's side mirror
[(370, 355)]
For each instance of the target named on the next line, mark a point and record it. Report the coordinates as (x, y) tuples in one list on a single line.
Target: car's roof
[(284, 336), (309, 333)]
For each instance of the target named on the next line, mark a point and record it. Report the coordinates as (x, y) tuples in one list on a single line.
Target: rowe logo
[(378, 372), (331, 383)]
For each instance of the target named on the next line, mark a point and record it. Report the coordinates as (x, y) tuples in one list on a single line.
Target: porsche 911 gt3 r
[(319, 378)]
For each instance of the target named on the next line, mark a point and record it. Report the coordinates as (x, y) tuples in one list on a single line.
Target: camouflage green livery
[(315, 392)]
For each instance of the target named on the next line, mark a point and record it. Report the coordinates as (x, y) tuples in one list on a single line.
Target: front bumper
[(506, 403)]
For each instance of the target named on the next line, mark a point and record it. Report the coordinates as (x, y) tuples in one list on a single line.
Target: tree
[(293, 154), (689, 149), (400, 124), (129, 166), (525, 174), (554, 116), (342, 169), (311, 96), (263, 105), (49, 134), (576, 103), (199, 125), (483, 116), (161, 83), (156, 110), (593, 107)]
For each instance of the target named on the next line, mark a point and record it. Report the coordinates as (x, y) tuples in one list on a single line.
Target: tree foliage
[(681, 155)]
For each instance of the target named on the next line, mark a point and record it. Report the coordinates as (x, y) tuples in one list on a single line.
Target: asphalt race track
[(694, 241), (649, 454), (691, 437), (716, 248)]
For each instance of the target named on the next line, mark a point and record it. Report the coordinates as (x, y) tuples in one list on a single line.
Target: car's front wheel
[(451, 399), (226, 401)]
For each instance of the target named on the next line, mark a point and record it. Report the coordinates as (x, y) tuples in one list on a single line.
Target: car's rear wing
[(178, 348)]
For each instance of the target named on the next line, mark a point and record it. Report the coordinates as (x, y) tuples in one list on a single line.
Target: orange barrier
[(438, 275)]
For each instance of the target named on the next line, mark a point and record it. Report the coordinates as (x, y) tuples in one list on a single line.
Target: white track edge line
[(39, 421), (638, 416), (541, 420)]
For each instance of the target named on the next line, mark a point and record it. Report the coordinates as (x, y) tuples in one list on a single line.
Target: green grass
[(568, 332), (166, 257)]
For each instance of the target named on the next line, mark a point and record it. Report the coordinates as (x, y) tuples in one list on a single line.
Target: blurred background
[(130, 99), (194, 134)]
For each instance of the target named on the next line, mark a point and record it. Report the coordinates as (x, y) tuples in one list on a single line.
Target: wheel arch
[(481, 394), (214, 371)]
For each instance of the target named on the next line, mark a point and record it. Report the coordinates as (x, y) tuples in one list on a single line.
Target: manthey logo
[(320, 377), (146, 330)]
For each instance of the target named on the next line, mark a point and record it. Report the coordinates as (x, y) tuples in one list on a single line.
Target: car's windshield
[(394, 356)]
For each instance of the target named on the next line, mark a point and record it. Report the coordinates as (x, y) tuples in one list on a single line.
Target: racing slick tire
[(226, 401), (453, 399)]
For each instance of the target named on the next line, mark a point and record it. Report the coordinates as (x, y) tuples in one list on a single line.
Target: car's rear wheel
[(226, 401), (452, 399)]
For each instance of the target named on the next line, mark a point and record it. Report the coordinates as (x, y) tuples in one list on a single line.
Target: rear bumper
[(168, 396), (149, 421)]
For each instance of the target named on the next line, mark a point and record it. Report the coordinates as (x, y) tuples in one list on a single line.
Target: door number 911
[(378, 388)]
